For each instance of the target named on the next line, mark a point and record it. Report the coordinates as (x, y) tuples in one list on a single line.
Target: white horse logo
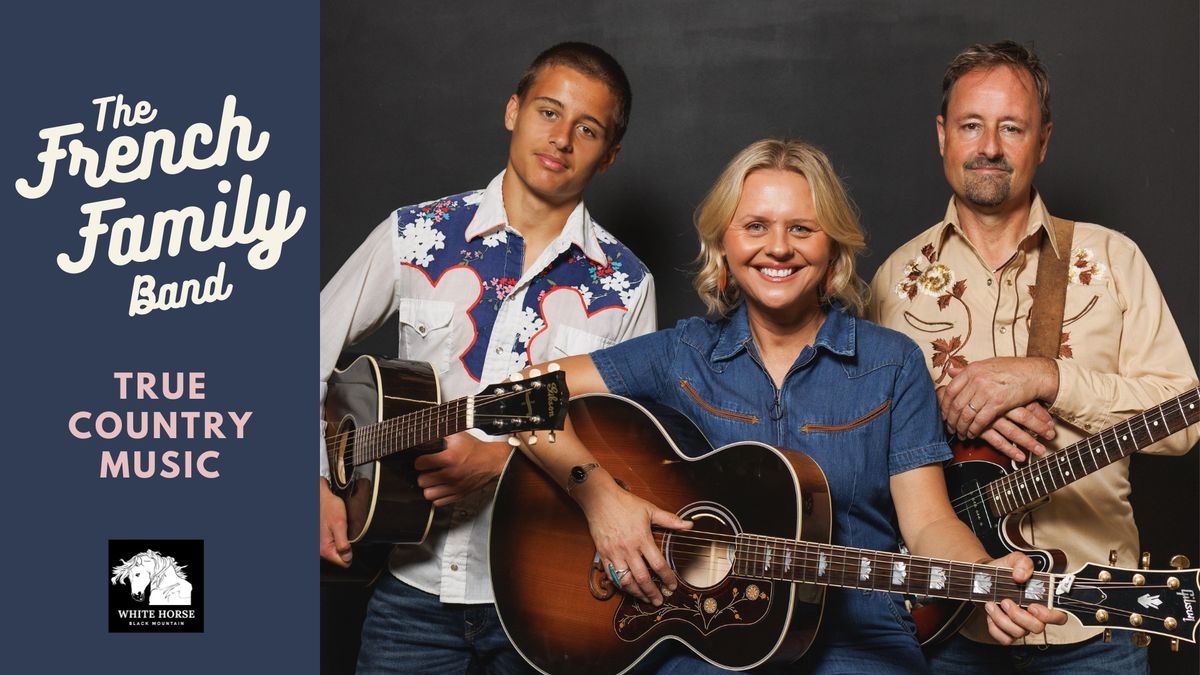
[(158, 576)]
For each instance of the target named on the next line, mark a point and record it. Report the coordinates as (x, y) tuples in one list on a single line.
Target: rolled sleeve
[(636, 368), (917, 435)]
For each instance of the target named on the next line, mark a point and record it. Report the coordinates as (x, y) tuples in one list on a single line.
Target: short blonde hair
[(836, 214)]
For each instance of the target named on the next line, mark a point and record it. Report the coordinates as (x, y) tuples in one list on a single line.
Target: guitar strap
[(1049, 302), (1050, 295)]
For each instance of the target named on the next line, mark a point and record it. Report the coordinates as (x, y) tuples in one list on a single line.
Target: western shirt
[(1121, 353), (451, 270)]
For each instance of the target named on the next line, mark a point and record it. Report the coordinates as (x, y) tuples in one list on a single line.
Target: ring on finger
[(972, 407), (616, 574)]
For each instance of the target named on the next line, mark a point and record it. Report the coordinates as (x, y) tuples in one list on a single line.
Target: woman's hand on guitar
[(335, 547), (1008, 621), (620, 524)]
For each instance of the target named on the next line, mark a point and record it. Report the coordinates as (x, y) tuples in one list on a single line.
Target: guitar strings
[(844, 563), (431, 413), (1075, 453)]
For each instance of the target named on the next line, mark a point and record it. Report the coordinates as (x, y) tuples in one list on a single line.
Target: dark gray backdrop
[(412, 98)]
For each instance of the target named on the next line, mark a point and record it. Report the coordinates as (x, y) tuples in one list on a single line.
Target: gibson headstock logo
[(552, 399), (1189, 599)]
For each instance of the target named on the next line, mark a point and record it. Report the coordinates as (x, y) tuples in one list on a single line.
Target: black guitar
[(993, 497)]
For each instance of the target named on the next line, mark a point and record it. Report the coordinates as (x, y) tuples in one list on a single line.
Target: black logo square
[(155, 585)]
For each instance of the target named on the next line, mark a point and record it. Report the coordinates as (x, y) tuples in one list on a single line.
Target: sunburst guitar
[(992, 496), (382, 413), (753, 569)]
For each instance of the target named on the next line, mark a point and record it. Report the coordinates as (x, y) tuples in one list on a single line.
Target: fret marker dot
[(1156, 424), (1124, 438)]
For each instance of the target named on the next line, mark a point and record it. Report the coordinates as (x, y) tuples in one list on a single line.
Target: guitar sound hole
[(344, 453), (703, 556)]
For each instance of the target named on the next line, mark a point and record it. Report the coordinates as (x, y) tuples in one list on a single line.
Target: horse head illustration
[(160, 578)]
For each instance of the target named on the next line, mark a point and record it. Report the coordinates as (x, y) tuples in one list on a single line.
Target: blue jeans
[(960, 655), (410, 631)]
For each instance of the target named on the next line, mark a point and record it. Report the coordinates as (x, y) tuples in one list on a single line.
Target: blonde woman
[(789, 363)]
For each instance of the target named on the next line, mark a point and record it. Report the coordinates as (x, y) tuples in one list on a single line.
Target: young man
[(962, 290), (486, 283)]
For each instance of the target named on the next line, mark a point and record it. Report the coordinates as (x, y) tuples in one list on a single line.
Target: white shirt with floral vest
[(451, 270)]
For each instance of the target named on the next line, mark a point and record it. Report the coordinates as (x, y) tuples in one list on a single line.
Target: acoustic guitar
[(755, 565), (381, 414), (993, 497)]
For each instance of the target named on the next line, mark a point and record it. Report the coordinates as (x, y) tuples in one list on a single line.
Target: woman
[(789, 364)]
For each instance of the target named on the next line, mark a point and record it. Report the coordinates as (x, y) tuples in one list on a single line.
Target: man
[(962, 289), (486, 283)]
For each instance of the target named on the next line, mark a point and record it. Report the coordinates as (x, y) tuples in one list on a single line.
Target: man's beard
[(988, 190)]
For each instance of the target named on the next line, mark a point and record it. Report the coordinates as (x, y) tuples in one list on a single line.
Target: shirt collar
[(838, 334), (579, 229), (1039, 219)]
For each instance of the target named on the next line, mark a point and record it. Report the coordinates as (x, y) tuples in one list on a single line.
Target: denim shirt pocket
[(720, 412), (425, 331), (851, 425)]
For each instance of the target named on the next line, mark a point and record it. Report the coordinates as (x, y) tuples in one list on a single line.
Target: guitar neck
[(828, 565), (1037, 480), (374, 442)]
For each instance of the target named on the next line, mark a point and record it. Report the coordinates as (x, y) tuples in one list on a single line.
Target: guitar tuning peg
[(1180, 562), (553, 367), (532, 439), (534, 372), (515, 377), (1145, 560), (1112, 556), (1174, 644), (550, 436), (1107, 635), (514, 441), (1141, 640)]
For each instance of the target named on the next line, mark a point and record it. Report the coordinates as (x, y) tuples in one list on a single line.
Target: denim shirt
[(859, 401)]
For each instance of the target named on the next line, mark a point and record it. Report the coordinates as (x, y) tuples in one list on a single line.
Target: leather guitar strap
[(1050, 296)]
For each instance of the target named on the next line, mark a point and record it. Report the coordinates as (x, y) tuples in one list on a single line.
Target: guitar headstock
[(1161, 602), (538, 402)]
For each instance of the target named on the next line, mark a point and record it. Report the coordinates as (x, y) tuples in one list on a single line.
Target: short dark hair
[(1006, 53), (594, 62)]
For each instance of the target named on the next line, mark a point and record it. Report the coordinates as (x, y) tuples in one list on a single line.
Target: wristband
[(579, 474)]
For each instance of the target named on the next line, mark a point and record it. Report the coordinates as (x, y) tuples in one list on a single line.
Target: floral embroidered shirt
[(451, 270), (1121, 353)]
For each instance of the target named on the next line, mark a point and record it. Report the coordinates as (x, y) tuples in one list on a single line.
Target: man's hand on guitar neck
[(335, 547), (466, 465)]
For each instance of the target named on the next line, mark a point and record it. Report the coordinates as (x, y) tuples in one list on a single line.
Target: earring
[(723, 280)]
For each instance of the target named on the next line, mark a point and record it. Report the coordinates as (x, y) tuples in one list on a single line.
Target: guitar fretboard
[(1038, 479), (376, 441), (828, 565)]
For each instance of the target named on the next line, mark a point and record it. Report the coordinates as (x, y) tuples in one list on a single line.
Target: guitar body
[(976, 464), (385, 505), (558, 606)]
